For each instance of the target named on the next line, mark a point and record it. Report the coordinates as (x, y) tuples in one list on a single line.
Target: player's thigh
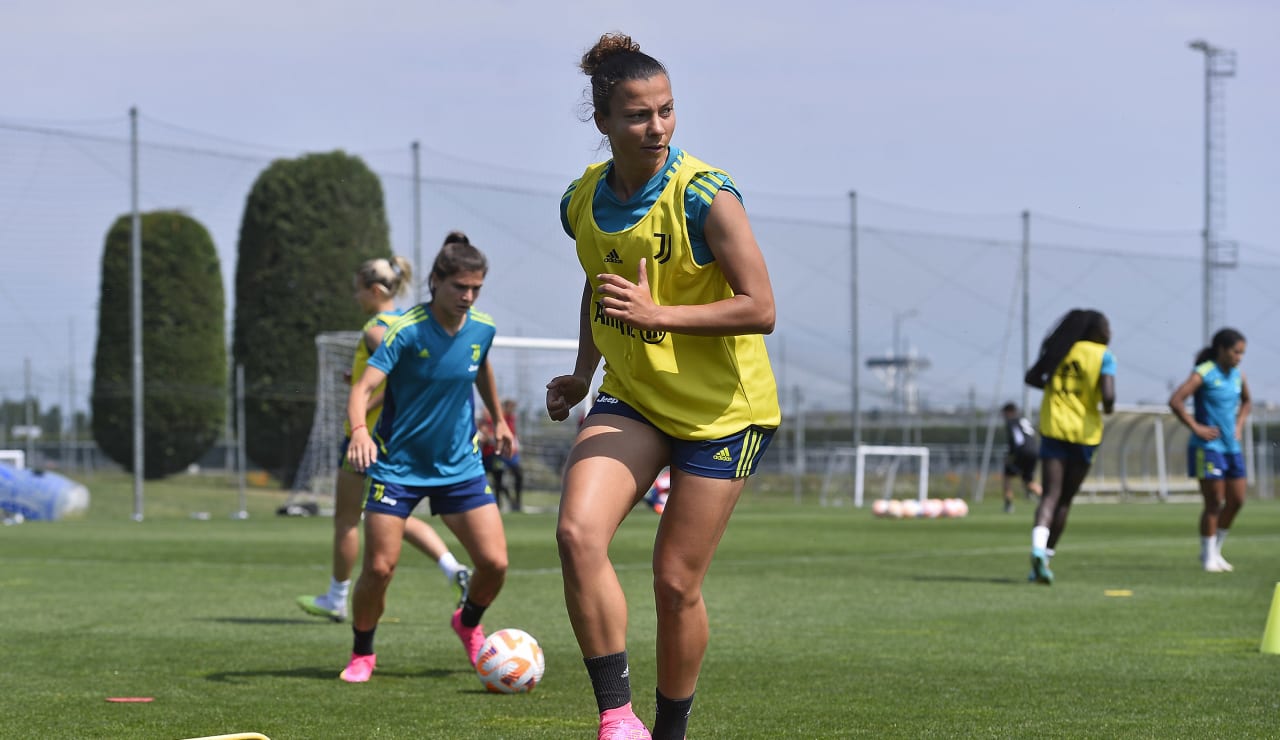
[(383, 535), (695, 518), (348, 499), (1236, 489), (1051, 474), (481, 533), (1212, 490), (613, 462)]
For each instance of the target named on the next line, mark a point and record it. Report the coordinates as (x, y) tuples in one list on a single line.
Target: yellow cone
[(1271, 635)]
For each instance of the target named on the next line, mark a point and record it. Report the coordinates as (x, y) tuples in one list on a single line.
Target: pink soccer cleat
[(359, 669), (622, 724), (472, 637)]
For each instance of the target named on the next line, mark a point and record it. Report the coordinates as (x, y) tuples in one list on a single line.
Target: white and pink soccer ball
[(510, 662)]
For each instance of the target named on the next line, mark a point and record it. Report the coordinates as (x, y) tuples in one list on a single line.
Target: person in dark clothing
[(1020, 462)]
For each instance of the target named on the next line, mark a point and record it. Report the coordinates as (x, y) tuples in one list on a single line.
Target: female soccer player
[(1214, 455), (377, 283), (1078, 374), (677, 298), (423, 447)]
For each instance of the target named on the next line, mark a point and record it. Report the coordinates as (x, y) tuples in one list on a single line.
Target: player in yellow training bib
[(1078, 374), (677, 300)]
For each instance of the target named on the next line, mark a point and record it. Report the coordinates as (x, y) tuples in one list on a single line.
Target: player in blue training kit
[(377, 283), (424, 447), (1214, 454)]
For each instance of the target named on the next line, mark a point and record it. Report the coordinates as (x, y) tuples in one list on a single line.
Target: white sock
[(1219, 537), (1207, 549), (1039, 538), (338, 590), (450, 566), (1049, 552)]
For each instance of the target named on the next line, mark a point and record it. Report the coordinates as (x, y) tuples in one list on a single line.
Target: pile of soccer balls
[(931, 508), (510, 662)]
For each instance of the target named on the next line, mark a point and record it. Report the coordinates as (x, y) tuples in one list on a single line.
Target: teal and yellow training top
[(691, 387)]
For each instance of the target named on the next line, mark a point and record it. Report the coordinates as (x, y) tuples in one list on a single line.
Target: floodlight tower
[(1219, 254), (900, 369)]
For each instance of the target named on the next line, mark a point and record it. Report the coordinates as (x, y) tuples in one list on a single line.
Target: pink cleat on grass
[(359, 669), (622, 724), (472, 637)]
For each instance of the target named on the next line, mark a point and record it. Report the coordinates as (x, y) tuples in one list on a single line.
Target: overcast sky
[(1088, 111)]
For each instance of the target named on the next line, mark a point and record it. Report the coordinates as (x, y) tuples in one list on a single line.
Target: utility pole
[(418, 275), (135, 288), (1026, 305), (856, 419), (1219, 254)]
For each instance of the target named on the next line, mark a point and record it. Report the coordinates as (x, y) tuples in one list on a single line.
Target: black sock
[(672, 718), (363, 643), (471, 613), (610, 679)]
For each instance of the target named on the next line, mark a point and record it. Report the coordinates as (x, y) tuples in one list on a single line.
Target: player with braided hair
[(1078, 374)]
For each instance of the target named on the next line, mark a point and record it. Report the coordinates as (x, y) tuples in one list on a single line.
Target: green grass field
[(826, 622)]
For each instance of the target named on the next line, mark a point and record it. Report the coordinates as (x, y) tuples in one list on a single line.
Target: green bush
[(308, 225), (183, 345)]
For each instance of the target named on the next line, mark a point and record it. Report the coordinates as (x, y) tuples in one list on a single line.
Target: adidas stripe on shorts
[(735, 456)]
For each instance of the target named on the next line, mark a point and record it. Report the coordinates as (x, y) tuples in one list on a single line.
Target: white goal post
[(838, 466), (518, 361)]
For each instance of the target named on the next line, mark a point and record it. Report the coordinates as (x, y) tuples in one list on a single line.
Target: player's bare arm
[(749, 311), (362, 450)]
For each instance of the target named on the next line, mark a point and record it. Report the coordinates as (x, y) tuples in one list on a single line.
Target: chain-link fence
[(943, 289)]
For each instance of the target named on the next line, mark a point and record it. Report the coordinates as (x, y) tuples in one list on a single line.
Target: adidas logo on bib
[(613, 257)]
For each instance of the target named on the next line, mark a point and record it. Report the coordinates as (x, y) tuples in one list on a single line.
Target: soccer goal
[(523, 366), (847, 470)]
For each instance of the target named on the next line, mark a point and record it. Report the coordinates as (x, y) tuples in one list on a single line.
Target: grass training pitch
[(825, 623)]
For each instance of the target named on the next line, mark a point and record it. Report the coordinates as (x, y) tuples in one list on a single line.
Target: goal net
[(523, 365)]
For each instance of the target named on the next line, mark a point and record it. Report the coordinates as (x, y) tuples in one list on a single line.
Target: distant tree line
[(50, 421)]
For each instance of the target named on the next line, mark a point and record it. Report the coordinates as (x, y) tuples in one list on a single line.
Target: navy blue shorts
[(1056, 449), (735, 456), (1213, 465), (400, 500)]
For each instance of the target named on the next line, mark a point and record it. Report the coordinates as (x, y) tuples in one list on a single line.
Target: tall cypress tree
[(308, 225), (183, 344)]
